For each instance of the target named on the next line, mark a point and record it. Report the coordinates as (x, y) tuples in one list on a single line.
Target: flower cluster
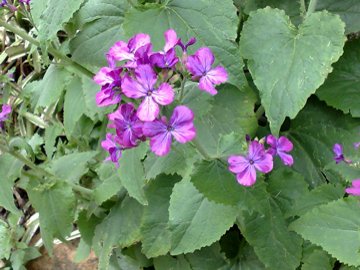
[(259, 158), (9, 4), (340, 157), (4, 114), (151, 79)]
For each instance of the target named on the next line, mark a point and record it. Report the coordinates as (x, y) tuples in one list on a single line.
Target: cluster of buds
[(149, 78)]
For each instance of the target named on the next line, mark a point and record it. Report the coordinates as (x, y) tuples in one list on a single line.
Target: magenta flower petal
[(185, 46), (247, 177), (265, 163), (217, 75), (146, 76), (148, 109), (354, 189), (171, 39), (110, 145), (338, 153), (4, 113), (104, 76), (357, 145), (164, 95), (120, 51), (280, 147), (151, 129), (206, 85), (139, 40), (161, 144), (284, 144), (182, 124), (132, 89), (237, 164), (107, 96)]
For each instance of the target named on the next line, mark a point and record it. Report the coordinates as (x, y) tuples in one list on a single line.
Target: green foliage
[(344, 80), (334, 227), (199, 19), (286, 82), (196, 222), (5, 240)]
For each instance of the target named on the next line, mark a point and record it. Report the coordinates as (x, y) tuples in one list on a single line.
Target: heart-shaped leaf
[(287, 63)]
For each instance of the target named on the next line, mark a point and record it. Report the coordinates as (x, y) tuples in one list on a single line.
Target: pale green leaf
[(341, 89), (121, 228), (51, 133), (199, 19), (131, 172), (171, 263), (55, 203), (156, 236), (196, 222), (334, 227), (284, 62), (316, 258), (5, 241)]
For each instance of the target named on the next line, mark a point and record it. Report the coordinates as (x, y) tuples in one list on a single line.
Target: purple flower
[(110, 81), (3, 3), (143, 87), (357, 145), (127, 125), (280, 147), (185, 46), (4, 113), (132, 52), (110, 145), (355, 188), (338, 154), (166, 58), (199, 66), (245, 167), (160, 132)]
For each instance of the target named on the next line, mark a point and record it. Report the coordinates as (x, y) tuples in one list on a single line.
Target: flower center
[(170, 128), (149, 93), (251, 162)]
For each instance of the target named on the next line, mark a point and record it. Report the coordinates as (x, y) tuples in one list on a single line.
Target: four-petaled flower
[(354, 189), (280, 147), (110, 81), (111, 145), (131, 52), (127, 125), (245, 167), (200, 68), (144, 87), (4, 113), (166, 58), (160, 132), (338, 154)]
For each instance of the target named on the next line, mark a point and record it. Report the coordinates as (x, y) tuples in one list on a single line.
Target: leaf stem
[(311, 7), (302, 8), (182, 87), (54, 52), (200, 149)]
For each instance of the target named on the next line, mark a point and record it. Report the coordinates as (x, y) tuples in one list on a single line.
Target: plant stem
[(302, 8), (200, 149), (182, 87), (311, 7), (54, 52)]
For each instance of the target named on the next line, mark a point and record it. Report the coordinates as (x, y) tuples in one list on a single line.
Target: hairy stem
[(54, 52), (182, 87), (302, 8), (311, 7)]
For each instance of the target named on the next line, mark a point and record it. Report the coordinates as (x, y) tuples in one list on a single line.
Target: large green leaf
[(287, 63), (72, 166), (267, 232), (51, 87), (51, 15), (132, 172), (196, 222), (10, 169), (55, 203), (200, 19), (209, 258), (341, 89), (334, 227), (314, 132), (236, 117), (121, 228), (315, 258), (156, 236), (101, 22)]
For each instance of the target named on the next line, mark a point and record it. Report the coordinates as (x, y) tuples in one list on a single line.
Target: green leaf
[(121, 228), (341, 88), (180, 160), (51, 15), (320, 195), (334, 227), (110, 185), (72, 166), (315, 259), (171, 263), (55, 203), (132, 172), (213, 179), (237, 116), (247, 259), (209, 258), (314, 132), (51, 87), (156, 236), (10, 169), (267, 232), (5, 241), (199, 19), (101, 22), (196, 222), (51, 133), (285, 80), (199, 101), (287, 186)]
